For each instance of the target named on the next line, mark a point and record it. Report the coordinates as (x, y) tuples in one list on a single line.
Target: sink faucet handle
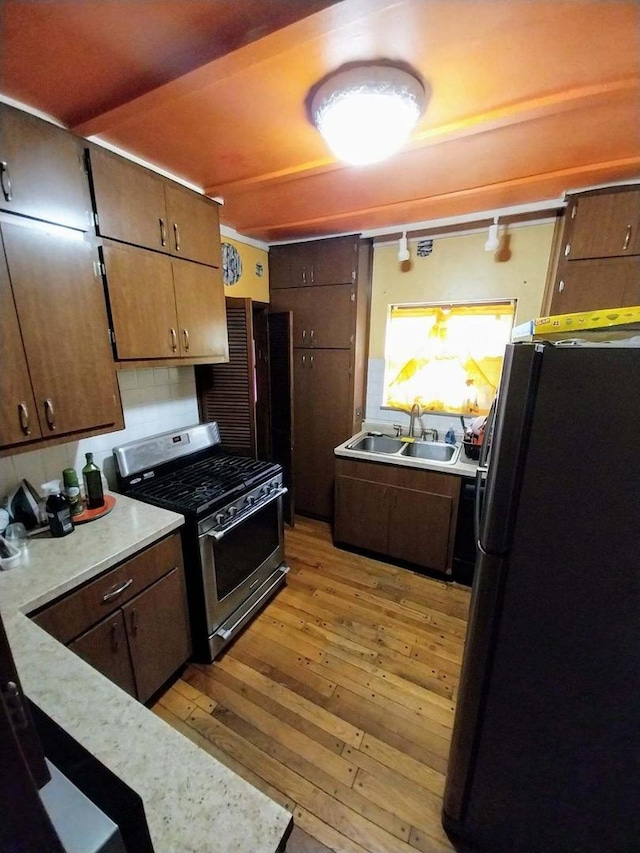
[(398, 429)]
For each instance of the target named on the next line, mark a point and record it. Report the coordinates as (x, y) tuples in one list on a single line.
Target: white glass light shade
[(366, 113)]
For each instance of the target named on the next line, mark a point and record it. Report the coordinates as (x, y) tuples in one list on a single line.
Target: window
[(447, 358)]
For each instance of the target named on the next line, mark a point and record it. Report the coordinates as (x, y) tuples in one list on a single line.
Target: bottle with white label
[(58, 510)]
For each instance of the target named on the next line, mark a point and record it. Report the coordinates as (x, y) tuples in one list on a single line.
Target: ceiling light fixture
[(493, 240), (403, 248), (366, 112)]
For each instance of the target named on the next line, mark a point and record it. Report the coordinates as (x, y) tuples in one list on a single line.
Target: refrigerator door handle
[(478, 504)]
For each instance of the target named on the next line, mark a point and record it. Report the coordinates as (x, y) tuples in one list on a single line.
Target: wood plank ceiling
[(528, 99)]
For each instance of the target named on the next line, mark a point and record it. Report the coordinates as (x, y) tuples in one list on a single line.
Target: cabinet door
[(420, 527), (129, 200), (362, 514), (322, 384), (333, 261), (202, 319), (288, 266), (331, 316), (105, 647), (42, 171), (158, 632), (599, 283), (142, 300), (297, 300), (63, 320), (194, 228), (606, 225), (18, 412)]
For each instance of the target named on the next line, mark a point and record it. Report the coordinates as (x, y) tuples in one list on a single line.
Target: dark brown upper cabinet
[(138, 206), (42, 171), (60, 309), (606, 225), (317, 262)]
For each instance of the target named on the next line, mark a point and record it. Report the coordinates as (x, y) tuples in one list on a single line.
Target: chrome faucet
[(416, 412), (430, 431)]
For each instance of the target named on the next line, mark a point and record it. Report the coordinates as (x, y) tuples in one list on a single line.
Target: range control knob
[(251, 499), (220, 518), (233, 510)]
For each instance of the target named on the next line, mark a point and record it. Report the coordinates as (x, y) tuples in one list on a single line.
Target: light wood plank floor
[(338, 699)]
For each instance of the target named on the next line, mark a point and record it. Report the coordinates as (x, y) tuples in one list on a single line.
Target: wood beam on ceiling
[(547, 185), (532, 109)]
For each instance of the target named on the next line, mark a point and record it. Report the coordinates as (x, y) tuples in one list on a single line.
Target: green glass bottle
[(93, 492)]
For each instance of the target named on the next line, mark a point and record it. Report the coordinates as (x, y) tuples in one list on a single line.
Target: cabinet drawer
[(76, 612)]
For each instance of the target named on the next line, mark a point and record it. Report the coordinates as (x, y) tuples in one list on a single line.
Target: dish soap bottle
[(93, 492), (450, 437), (57, 509)]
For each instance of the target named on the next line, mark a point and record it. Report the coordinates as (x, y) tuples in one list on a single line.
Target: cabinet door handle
[(114, 593), (312, 334), (310, 361), (185, 335), (49, 413), (560, 285), (627, 238), (163, 232), (115, 640), (304, 360), (134, 621), (174, 340), (23, 414), (312, 276), (304, 275), (176, 236), (5, 180), (304, 334)]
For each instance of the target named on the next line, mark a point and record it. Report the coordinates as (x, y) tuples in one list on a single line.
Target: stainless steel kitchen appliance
[(233, 539), (546, 740)]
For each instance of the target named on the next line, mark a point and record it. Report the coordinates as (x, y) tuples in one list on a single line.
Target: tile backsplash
[(153, 400)]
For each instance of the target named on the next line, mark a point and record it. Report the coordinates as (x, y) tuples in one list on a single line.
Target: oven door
[(237, 561)]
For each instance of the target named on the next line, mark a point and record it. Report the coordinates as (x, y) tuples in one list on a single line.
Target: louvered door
[(226, 392)]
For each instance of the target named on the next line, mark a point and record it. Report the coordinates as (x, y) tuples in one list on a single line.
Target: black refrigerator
[(545, 754)]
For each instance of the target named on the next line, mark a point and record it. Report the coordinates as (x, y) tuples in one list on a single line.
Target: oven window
[(238, 554)]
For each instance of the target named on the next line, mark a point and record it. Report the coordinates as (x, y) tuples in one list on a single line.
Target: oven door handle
[(220, 534)]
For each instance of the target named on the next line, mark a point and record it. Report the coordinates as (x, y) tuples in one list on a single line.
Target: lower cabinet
[(404, 513), (145, 637)]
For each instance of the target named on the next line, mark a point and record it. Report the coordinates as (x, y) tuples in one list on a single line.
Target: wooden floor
[(338, 699)]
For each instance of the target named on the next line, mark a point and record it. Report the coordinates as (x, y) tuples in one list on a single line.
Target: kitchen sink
[(435, 450), (377, 444)]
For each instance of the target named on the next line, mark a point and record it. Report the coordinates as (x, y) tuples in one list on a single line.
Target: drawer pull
[(109, 596)]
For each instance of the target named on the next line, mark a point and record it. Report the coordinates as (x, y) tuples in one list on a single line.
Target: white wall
[(153, 400)]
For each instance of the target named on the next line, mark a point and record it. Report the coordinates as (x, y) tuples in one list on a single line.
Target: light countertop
[(462, 467), (193, 804)]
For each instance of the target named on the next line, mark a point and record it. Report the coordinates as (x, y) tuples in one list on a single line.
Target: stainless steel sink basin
[(377, 444), (435, 450)]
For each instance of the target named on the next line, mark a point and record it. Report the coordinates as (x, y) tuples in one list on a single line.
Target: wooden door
[(599, 283), (334, 261), (63, 319), (420, 527), (142, 300), (288, 266), (202, 320), (158, 632), (42, 173), (281, 391), (606, 225), (129, 200), (331, 313), (18, 412), (322, 421), (193, 224), (361, 515), (105, 647), (226, 392)]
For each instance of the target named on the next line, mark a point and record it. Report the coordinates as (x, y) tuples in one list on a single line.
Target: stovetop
[(203, 486)]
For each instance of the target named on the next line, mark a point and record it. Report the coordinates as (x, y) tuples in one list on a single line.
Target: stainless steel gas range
[(233, 539)]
